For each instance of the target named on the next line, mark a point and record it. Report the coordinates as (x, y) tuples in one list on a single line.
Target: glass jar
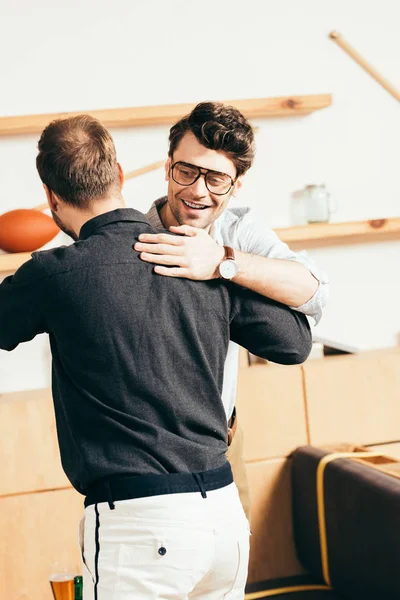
[(318, 203)]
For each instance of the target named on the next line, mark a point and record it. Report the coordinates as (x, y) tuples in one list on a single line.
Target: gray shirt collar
[(153, 215)]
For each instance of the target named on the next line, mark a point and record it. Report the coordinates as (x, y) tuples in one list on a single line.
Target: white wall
[(91, 54)]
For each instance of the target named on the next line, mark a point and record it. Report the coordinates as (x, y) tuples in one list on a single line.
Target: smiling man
[(184, 206), (210, 150)]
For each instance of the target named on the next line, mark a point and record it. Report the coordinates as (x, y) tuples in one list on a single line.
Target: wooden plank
[(328, 234), (392, 449), (36, 531), (270, 407), (354, 398), (29, 454), (11, 262), (140, 116), (272, 550), (364, 64)]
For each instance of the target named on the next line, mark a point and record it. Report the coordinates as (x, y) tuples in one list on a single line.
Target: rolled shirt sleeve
[(240, 228)]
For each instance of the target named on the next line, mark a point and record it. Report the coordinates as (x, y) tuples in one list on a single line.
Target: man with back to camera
[(136, 377), (210, 150)]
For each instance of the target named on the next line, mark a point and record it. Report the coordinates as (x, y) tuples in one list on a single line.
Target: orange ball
[(25, 230)]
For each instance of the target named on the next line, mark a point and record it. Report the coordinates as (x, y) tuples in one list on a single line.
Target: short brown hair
[(77, 160), (218, 127)]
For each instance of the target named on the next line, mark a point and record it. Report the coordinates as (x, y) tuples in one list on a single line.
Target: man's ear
[(167, 168), (52, 199), (237, 186), (121, 175)]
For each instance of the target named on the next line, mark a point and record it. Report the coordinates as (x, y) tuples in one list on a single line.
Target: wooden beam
[(167, 114), (360, 60), (319, 235), (146, 169), (11, 262)]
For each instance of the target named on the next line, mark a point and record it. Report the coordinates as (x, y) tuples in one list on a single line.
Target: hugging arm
[(269, 329), (21, 307)]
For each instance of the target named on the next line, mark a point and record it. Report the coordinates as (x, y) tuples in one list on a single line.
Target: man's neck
[(97, 208), (166, 216)]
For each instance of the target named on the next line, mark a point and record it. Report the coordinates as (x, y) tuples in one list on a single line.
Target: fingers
[(157, 248), (172, 272), (184, 230), (161, 238), (164, 259)]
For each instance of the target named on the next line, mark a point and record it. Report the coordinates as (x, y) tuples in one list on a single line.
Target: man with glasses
[(210, 151)]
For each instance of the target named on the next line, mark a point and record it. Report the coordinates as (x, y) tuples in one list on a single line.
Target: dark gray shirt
[(138, 358)]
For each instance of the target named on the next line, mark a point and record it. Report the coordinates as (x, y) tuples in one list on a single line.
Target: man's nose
[(199, 187)]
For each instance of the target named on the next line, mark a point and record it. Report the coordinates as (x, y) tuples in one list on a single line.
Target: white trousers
[(177, 546)]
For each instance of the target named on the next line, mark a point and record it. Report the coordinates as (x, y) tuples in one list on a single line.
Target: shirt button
[(162, 551)]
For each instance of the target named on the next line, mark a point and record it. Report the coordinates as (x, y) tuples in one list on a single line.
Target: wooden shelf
[(167, 114), (317, 235), (320, 235), (11, 262)]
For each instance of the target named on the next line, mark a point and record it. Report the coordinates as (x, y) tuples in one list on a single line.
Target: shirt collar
[(113, 216), (153, 214)]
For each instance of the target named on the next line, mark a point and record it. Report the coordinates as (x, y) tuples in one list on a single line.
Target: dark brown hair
[(218, 127), (77, 160)]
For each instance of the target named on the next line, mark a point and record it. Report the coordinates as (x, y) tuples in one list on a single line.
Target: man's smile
[(193, 205)]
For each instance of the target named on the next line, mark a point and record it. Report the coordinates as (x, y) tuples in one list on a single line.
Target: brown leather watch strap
[(229, 253)]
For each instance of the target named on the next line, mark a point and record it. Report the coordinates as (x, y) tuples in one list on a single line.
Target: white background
[(58, 56)]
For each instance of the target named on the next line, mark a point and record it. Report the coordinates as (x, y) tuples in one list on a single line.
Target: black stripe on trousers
[(96, 556)]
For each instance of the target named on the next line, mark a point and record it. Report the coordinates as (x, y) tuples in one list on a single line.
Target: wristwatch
[(228, 267)]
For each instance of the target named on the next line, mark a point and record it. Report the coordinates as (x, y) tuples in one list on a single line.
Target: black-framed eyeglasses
[(217, 183)]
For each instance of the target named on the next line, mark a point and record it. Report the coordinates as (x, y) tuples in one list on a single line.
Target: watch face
[(228, 269)]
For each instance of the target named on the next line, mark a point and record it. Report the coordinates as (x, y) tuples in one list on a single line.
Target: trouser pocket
[(81, 539)]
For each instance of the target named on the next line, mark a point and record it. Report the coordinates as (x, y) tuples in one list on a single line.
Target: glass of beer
[(62, 582)]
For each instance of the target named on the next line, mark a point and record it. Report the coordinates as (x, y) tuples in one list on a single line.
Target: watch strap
[(229, 253)]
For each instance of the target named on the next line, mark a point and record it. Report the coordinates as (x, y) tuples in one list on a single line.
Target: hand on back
[(193, 254)]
